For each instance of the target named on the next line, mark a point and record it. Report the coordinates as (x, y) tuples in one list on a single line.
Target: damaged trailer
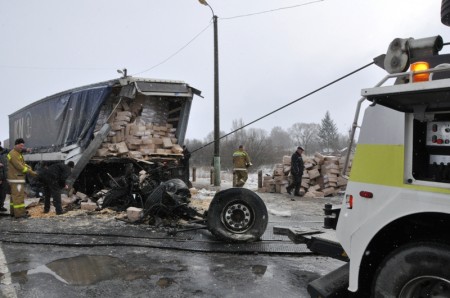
[(124, 136), (104, 126)]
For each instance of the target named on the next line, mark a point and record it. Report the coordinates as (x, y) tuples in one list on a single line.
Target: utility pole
[(216, 100)]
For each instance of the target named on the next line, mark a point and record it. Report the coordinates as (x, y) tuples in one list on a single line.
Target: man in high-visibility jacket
[(241, 161), (17, 171)]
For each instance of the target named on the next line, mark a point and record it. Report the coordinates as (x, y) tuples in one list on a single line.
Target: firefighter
[(241, 161), (17, 171)]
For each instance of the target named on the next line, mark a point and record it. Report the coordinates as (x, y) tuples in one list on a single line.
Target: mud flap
[(334, 284)]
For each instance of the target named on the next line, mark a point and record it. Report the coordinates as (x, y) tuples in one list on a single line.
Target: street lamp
[(216, 101)]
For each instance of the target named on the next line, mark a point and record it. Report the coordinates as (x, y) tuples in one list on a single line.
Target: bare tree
[(240, 135), (280, 138), (258, 147), (305, 134)]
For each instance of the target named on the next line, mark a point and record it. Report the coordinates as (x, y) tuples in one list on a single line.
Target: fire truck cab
[(393, 224)]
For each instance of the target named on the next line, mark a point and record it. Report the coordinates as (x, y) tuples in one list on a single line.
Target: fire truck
[(392, 229)]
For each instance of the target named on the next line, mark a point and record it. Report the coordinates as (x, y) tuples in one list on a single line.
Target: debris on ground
[(80, 204), (285, 213)]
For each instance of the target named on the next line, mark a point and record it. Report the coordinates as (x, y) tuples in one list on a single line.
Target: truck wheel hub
[(426, 286), (237, 217)]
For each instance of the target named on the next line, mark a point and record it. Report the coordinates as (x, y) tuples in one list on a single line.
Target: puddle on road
[(85, 270), (259, 270), (165, 282)]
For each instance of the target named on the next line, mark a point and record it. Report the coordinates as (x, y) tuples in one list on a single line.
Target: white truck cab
[(393, 224)]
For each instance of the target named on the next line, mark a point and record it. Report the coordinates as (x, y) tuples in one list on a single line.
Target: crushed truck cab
[(394, 218)]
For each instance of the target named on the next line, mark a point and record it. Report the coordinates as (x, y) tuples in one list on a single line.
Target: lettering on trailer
[(22, 127), (28, 125)]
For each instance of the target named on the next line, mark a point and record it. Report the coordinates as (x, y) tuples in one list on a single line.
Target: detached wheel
[(417, 270), (237, 215)]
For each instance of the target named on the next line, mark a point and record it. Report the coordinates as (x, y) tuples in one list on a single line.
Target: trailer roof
[(146, 86)]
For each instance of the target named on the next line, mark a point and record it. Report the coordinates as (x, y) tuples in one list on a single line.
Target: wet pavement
[(88, 256), (55, 271)]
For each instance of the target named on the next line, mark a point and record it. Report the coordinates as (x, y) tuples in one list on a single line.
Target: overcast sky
[(266, 59)]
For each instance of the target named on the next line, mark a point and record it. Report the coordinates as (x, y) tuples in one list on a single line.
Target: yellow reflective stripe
[(25, 169), (239, 153), (384, 165), (378, 164), (8, 156), (16, 180), (19, 206)]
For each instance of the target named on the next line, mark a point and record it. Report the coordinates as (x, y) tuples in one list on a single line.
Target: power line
[(271, 10), (55, 68), (178, 51), (228, 18), (286, 105), (175, 53)]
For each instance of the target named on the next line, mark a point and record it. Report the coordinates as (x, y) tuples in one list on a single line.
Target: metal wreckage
[(125, 135)]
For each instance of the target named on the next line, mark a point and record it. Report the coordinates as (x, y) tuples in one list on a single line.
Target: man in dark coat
[(185, 163), (3, 174), (53, 179), (297, 168)]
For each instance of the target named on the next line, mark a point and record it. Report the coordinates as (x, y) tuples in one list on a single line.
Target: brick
[(88, 206), (134, 214)]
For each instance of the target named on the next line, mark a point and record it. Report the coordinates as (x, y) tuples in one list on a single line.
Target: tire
[(420, 269), (119, 199), (155, 198), (237, 215)]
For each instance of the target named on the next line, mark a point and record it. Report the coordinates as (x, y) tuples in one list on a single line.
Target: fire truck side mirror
[(424, 47)]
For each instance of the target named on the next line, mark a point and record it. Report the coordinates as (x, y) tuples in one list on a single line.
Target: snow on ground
[(278, 204)]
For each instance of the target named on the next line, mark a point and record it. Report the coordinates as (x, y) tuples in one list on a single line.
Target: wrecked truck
[(125, 135), (104, 126)]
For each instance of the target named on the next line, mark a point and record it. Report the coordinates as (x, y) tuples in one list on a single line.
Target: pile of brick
[(321, 177), (135, 134)]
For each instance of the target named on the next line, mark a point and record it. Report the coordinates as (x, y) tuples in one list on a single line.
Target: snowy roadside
[(279, 205)]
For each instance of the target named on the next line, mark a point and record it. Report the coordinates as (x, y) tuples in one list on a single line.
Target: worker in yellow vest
[(241, 161), (17, 171)]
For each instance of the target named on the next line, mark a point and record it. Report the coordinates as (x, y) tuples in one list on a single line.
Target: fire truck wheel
[(237, 215), (420, 269)]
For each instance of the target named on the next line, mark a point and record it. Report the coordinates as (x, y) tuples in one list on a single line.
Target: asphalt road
[(55, 271), (52, 258)]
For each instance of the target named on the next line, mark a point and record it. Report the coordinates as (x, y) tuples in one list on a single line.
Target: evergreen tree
[(328, 134)]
